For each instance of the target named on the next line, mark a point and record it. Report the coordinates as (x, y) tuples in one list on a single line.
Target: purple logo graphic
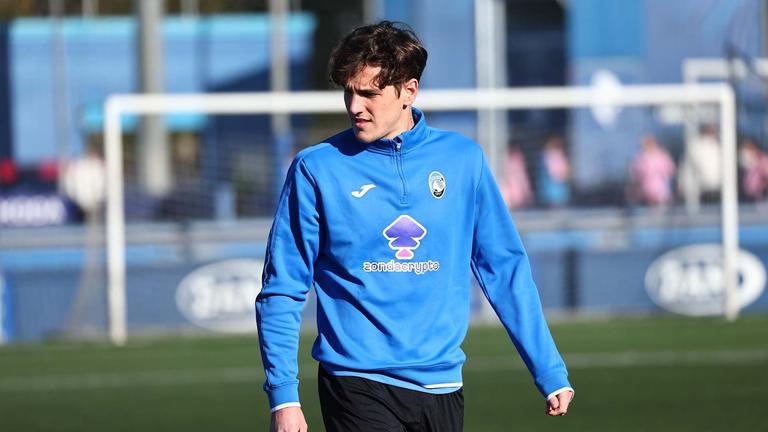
[(404, 235)]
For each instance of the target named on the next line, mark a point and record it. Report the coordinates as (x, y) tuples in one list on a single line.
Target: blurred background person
[(9, 174), (555, 173), (84, 180), (651, 174), (516, 187), (754, 168), (700, 171)]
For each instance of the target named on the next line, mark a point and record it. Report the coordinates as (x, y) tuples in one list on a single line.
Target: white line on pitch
[(631, 359), (96, 381)]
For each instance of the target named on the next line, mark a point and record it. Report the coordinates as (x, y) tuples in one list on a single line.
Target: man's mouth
[(359, 123)]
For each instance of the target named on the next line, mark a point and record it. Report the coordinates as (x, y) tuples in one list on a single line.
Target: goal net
[(204, 223)]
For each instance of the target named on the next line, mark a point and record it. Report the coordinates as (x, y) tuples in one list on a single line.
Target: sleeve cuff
[(560, 390), (285, 405), (282, 395), (552, 383)]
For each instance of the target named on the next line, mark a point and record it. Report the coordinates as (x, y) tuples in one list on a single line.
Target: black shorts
[(352, 404)]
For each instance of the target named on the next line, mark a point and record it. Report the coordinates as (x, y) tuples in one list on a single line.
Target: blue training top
[(387, 233)]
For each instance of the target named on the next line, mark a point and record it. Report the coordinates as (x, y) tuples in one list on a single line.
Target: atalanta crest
[(436, 184)]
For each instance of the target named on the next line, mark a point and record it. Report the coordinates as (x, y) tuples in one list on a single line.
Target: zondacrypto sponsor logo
[(392, 266)]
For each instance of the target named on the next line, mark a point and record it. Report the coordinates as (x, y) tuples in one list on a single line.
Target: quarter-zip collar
[(407, 140)]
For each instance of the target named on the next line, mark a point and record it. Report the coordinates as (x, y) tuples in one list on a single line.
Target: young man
[(385, 220)]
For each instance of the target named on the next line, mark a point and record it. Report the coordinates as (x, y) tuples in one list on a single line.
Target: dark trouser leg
[(444, 413), (351, 404)]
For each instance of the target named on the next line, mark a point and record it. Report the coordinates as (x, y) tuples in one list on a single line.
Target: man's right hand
[(289, 419)]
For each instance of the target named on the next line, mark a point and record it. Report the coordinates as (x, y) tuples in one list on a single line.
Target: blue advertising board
[(209, 285), (6, 310)]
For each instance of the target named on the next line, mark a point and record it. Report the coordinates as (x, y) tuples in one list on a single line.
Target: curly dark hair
[(392, 46)]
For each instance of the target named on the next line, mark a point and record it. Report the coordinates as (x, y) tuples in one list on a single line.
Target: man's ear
[(409, 91)]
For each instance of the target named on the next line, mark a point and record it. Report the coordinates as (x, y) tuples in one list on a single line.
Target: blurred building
[(55, 74), (204, 54)]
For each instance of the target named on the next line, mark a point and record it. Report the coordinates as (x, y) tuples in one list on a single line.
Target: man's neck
[(407, 122)]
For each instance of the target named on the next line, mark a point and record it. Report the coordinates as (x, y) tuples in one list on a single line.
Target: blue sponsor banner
[(35, 210), (206, 286)]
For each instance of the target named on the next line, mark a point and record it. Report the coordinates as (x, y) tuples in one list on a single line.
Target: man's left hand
[(558, 405)]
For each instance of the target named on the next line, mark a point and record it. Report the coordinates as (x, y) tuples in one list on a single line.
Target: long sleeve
[(501, 266), (288, 272)]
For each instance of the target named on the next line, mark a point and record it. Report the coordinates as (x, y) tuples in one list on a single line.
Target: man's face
[(378, 113)]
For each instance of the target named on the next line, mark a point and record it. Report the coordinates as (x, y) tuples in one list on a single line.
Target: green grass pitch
[(641, 374)]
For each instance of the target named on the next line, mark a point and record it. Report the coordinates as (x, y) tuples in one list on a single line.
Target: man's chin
[(362, 136)]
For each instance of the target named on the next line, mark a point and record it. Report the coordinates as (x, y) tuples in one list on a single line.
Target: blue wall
[(203, 54), (447, 30), (644, 42)]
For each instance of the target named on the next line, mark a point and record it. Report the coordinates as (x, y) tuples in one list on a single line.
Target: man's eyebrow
[(371, 90)]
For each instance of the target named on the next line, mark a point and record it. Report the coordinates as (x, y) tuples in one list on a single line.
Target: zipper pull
[(397, 147)]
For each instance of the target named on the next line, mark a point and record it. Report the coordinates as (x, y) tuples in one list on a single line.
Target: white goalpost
[(116, 106)]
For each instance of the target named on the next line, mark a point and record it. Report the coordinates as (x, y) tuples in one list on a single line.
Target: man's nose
[(354, 104)]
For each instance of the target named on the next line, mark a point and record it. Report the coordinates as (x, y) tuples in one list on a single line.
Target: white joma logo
[(363, 190)]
